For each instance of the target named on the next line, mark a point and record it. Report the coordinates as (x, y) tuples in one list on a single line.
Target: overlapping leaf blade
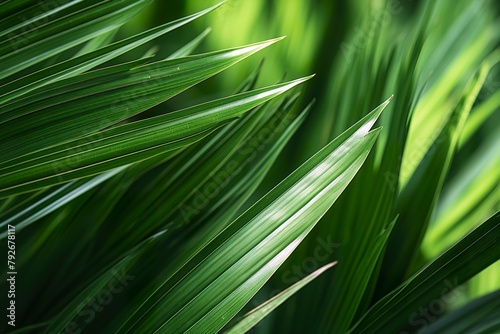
[(203, 290), (86, 61), (83, 104), (256, 315), (469, 256), (43, 205), (225, 275), (478, 316), (188, 48), (127, 143), (52, 28), (117, 240)]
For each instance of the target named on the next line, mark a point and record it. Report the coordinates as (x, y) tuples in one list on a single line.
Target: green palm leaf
[(469, 256), (215, 282)]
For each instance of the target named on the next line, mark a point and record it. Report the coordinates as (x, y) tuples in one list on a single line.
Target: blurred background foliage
[(323, 37)]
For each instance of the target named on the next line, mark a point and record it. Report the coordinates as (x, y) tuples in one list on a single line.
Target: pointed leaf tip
[(277, 39), (217, 5), (296, 82), (255, 47), (326, 267)]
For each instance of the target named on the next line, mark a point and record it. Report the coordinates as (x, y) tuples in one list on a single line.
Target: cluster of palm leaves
[(134, 204)]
